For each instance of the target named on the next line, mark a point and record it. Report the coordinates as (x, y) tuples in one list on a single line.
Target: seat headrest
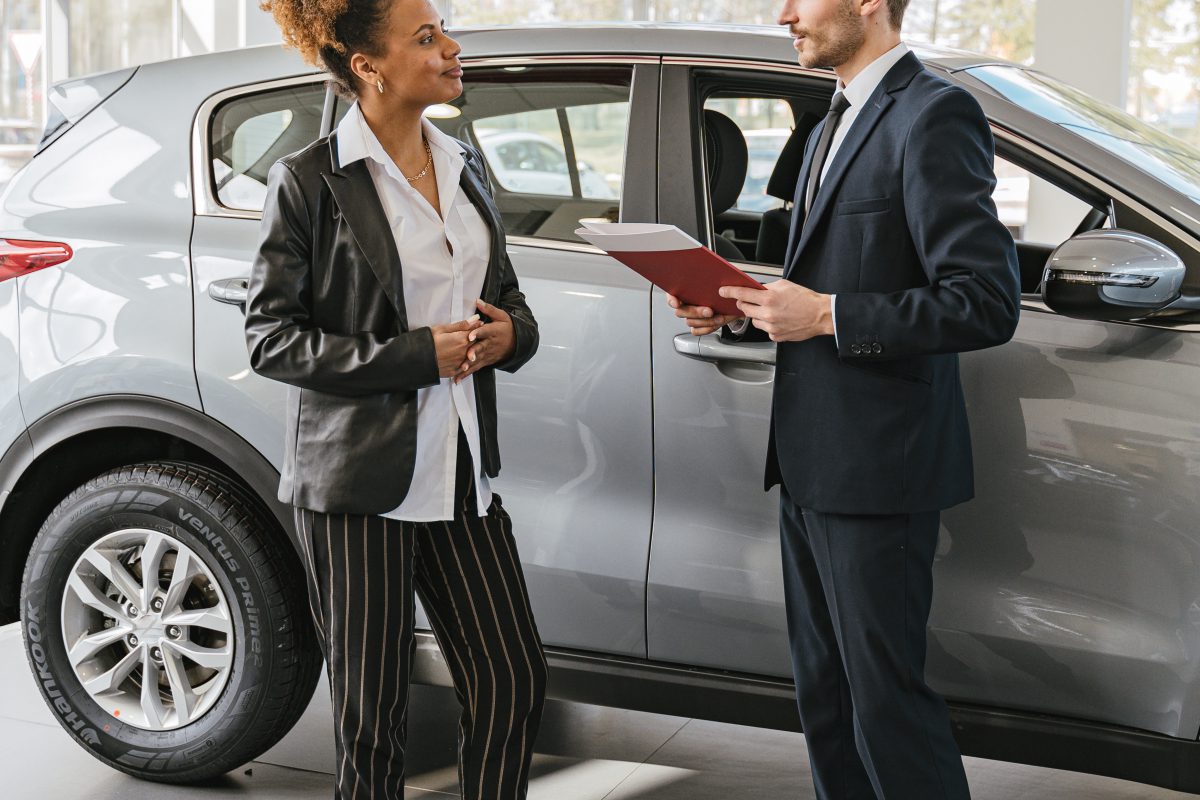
[(725, 149), (787, 169)]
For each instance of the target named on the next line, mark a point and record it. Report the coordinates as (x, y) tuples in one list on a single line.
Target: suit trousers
[(858, 590), (362, 572)]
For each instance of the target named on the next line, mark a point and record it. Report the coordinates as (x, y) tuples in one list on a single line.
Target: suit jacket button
[(855, 349), (877, 348)]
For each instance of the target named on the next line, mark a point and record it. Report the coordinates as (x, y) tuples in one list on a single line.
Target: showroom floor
[(584, 753)]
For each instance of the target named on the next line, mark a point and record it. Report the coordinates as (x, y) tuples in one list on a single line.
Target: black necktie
[(836, 109)]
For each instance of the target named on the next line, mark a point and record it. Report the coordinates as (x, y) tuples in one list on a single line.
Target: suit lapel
[(356, 198), (897, 78), (797, 220)]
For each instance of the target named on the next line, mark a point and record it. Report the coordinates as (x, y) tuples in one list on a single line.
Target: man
[(896, 262)]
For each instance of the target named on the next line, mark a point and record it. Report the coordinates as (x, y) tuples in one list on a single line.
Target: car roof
[(683, 40)]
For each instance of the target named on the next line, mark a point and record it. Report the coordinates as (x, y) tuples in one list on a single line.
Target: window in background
[(21, 89), (110, 34), (1164, 69)]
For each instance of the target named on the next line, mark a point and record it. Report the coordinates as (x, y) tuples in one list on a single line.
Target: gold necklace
[(428, 162)]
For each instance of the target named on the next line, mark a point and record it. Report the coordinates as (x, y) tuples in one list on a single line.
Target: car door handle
[(711, 348), (230, 290)]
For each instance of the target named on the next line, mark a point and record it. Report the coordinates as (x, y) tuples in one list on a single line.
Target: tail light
[(21, 256)]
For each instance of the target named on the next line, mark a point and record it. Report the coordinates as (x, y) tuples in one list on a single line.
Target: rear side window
[(250, 133)]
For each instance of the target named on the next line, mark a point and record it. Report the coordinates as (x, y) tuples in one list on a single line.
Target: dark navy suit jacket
[(904, 231)]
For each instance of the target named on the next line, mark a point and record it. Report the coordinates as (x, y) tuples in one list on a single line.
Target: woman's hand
[(451, 344), (701, 319), (489, 344)]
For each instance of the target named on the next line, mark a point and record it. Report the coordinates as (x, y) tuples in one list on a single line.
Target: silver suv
[(156, 575)]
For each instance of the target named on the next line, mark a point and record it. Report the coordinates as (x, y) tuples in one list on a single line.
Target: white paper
[(635, 237)]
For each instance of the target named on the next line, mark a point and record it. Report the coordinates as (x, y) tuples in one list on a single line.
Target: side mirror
[(1114, 274)]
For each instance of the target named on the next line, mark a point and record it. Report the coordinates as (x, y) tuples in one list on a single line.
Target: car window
[(251, 132), (1034, 209), (553, 139), (766, 123)]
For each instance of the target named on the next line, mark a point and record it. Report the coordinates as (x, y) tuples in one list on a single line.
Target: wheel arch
[(85, 438)]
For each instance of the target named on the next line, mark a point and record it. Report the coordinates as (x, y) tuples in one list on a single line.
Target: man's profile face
[(825, 33)]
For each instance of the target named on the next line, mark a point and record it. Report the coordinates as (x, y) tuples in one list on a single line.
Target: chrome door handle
[(711, 348), (229, 290)]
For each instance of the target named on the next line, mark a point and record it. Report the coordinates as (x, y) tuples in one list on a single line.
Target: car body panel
[(1069, 585), (117, 316), (12, 419)]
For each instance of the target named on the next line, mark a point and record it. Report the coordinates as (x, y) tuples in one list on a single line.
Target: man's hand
[(700, 319), (785, 311), (451, 343), (489, 344)]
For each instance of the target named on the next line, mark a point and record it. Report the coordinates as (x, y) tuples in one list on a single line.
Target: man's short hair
[(896, 9)]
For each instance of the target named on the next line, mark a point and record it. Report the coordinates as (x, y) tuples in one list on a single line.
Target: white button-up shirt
[(439, 288)]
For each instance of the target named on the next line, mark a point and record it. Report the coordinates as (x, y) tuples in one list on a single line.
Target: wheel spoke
[(152, 705), (152, 554), (107, 565), (211, 657), (89, 645), (213, 619), (186, 567), (182, 694), (91, 596), (112, 679)]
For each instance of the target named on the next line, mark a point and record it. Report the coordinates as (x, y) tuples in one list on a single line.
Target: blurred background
[(1143, 55)]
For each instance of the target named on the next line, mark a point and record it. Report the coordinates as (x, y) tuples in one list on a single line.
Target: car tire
[(229, 618)]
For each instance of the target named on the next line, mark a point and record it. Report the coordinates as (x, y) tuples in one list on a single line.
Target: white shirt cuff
[(739, 326), (833, 313)]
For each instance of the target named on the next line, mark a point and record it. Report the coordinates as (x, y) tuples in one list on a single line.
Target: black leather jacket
[(325, 314)]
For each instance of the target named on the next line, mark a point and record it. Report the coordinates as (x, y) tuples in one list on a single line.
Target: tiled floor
[(584, 753)]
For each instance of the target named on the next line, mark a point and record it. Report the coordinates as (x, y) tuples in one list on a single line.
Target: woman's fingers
[(490, 310), (462, 325)]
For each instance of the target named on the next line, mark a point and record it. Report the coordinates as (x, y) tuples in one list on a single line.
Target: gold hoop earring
[(379, 83)]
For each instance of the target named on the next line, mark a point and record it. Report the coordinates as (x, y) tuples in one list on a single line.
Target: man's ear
[(868, 7)]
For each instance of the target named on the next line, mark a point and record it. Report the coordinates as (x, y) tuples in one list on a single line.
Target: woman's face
[(419, 63)]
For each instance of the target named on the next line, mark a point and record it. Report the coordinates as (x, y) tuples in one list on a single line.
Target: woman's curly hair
[(328, 32)]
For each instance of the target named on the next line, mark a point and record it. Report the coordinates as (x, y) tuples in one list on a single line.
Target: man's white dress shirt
[(439, 288)]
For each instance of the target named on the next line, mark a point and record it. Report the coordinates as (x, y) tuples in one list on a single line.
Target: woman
[(383, 296)]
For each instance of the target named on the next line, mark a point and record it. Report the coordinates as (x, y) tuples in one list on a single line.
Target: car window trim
[(204, 200)]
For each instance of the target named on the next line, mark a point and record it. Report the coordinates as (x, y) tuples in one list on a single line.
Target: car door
[(574, 423), (715, 585)]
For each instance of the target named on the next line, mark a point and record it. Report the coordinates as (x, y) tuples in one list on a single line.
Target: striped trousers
[(362, 571)]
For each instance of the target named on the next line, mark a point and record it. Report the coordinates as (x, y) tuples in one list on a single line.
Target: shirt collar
[(864, 83), (356, 140)]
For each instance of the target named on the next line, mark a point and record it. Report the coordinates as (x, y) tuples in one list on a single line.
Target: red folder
[(671, 260)]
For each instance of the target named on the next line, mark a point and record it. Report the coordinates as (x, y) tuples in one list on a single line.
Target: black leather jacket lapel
[(356, 198)]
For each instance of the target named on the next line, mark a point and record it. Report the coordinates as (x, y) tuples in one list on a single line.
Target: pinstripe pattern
[(362, 572)]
